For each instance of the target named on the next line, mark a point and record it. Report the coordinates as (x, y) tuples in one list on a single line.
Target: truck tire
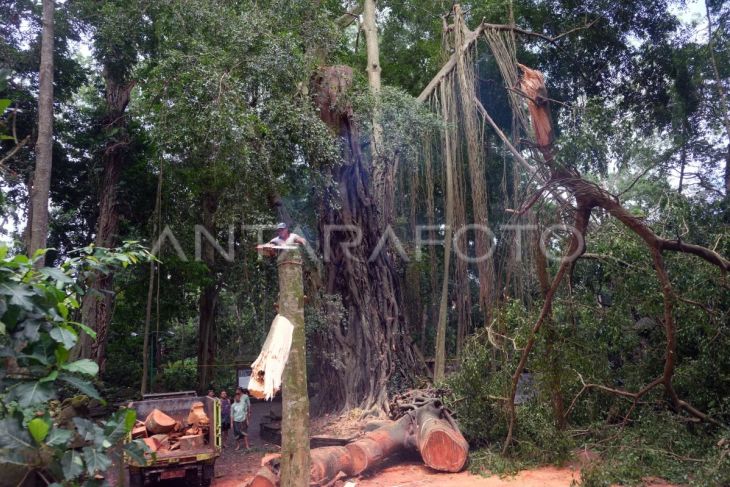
[(194, 477), (208, 474), (136, 479)]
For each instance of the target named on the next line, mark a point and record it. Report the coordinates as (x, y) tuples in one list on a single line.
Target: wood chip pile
[(162, 434)]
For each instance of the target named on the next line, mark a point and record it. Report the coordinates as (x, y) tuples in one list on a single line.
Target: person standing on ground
[(225, 416), (240, 411)]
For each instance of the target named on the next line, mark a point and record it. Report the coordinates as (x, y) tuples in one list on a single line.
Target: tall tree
[(38, 214), (371, 343), (118, 53), (724, 108)]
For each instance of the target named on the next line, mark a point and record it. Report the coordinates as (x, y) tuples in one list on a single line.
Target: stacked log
[(158, 422), (428, 429), (162, 433)]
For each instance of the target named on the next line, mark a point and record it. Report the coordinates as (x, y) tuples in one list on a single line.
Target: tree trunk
[(98, 302), (154, 271), (383, 169), (38, 217), (295, 399), (208, 297), (477, 174), (440, 352), (723, 98), (555, 370), (362, 351)]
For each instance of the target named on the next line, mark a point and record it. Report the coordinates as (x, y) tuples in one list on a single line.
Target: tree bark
[(383, 173), (208, 301), (38, 217), (362, 351), (98, 303), (295, 400), (154, 271), (440, 352)]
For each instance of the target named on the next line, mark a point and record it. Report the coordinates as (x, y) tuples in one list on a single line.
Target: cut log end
[(158, 422), (264, 478), (328, 462), (444, 449)]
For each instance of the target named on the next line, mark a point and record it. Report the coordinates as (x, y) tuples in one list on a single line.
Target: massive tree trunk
[(98, 303), (38, 215), (208, 300), (361, 352)]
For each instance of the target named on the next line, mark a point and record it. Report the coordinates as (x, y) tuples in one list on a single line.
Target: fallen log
[(428, 429), (158, 422), (440, 442), (265, 478)]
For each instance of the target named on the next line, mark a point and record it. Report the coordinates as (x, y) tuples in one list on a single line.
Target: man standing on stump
[(285, 237)]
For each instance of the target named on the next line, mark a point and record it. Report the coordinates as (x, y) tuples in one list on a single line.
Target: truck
[(196, 468)]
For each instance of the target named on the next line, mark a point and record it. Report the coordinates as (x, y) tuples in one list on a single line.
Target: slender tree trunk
[(154, 270), (208, 298), (98, 303), (383, 169), (555, 369), (440, 353), (295, 400), (38, 223), (431, 211), (723, 98), (370, 344)]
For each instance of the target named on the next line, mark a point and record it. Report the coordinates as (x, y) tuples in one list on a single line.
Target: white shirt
[(290, 240)]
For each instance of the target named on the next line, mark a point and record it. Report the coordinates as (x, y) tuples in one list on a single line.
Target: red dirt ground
[(236, 469)]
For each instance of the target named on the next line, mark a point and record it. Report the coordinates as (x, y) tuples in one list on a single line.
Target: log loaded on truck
[(183, 435)]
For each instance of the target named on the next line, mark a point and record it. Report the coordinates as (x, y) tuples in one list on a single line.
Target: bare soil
[(237, 468)]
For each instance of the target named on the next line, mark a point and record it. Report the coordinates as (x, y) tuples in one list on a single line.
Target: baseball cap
[(281, 226)]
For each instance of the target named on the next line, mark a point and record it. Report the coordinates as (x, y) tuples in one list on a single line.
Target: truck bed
[(178, 409)]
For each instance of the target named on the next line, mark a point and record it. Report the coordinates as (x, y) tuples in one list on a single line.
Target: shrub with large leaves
[(37, 333)]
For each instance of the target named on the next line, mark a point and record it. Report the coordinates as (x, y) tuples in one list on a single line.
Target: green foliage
[(37, 306), (656, 445), (179, 375)]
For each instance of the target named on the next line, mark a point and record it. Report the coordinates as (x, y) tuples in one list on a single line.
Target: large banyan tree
[(366, 348)]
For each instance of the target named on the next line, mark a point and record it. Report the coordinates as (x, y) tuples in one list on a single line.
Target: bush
[(38, 433), (181, 375)]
